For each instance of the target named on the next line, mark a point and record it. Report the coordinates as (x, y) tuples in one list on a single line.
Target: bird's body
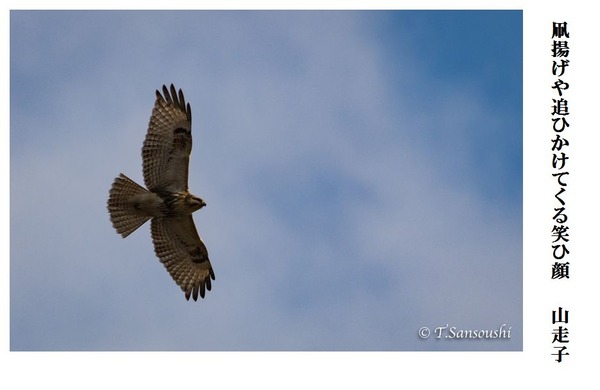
[(167, 200)]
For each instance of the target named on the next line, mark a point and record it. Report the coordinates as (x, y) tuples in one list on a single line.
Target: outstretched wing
[(179, 247), (168, 143)]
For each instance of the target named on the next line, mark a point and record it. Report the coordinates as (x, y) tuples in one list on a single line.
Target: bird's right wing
[(168, 143)]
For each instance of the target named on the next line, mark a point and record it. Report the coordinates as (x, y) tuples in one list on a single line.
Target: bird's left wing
[(184, 255), (168, 143)]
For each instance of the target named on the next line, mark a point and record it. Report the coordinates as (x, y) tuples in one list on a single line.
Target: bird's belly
[(147, 204)]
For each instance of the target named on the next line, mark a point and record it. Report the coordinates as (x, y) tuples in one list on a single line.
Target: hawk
[(167, 200)]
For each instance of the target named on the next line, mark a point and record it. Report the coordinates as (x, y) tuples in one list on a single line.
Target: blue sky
[(362, 170)]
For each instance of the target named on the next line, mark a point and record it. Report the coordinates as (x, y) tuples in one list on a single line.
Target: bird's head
[(194, 202)]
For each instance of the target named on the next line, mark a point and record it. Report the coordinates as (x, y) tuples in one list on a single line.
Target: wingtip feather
[(174, 96), (166, 94)]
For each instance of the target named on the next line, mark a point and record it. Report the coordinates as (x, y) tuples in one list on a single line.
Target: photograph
[(355, 181)]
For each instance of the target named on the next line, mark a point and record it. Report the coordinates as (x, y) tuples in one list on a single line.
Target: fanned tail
[(122, 215)]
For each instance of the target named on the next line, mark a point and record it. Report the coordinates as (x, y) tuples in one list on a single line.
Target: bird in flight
[(166, 200)]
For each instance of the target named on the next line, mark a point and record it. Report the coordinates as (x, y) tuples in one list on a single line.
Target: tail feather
[(119, 207)]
